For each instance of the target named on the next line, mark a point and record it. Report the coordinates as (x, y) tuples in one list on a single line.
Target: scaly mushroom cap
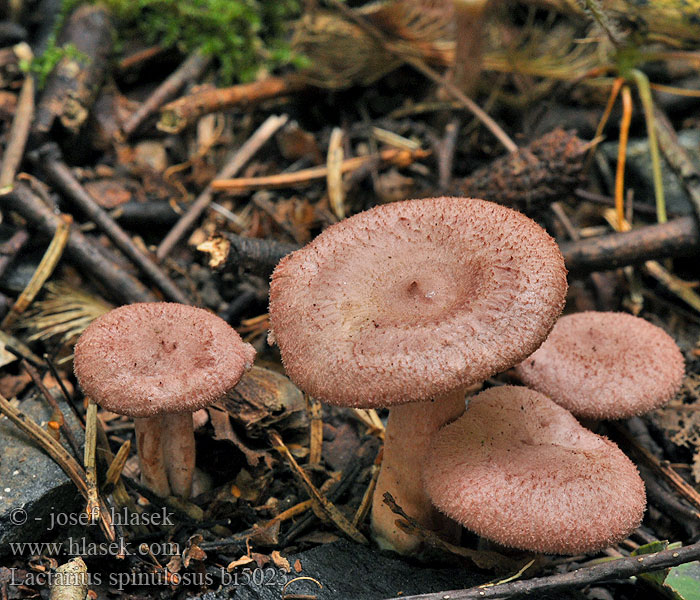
[(518, 469), (410, 300), (606, 365), (154, 358)]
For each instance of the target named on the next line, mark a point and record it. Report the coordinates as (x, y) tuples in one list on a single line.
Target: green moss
[(244, 35), (41, 66)]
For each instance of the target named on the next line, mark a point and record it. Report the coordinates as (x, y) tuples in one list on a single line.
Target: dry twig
[(190, 70), (93, 500), (620, 568), (271, 125), (60, 455), (177, 115), (49, 161), (80, 250), (321, 502), (306, 176), (19, 132), (43, 271), (314, 409)]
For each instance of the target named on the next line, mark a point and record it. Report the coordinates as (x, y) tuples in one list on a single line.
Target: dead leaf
[(223, 430), (260, 559), (174, 564), (11, 385), (193, 551), (280, 561), (682, 424), (108, 193), (264, 399), (267, 535), (240, 562), (295, 143)]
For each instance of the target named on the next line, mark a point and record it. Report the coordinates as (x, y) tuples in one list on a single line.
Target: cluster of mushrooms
[(409, 305)]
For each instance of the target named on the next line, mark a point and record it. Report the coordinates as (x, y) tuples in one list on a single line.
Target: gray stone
[(638, 171), (32, 485), (348, 571)]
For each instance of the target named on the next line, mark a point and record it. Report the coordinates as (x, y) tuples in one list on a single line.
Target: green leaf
[(654, 577), (684, 581), (678, 583)]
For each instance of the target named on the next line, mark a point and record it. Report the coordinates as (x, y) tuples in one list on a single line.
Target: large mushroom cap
[(519, 469), (407, 301), (154, 358), (606, 365)]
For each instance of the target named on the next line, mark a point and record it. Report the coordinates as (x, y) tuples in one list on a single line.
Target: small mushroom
[(413, 302), (605, 365), (159, 362), (520, 470)]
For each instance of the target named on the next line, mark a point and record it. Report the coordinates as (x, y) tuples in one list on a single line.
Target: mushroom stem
[(408, 433), (179, 452), (149, 446)]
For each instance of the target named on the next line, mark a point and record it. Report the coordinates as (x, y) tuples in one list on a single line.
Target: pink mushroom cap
[(519, 469), (411, 300), (606, 365), (147, 359)]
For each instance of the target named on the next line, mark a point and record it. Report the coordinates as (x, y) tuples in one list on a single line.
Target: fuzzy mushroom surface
[(413, 302), (520, 470), (159, 362), (606, 365)]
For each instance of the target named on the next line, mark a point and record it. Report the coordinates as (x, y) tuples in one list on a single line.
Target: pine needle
[(642, 82), (63, 314)]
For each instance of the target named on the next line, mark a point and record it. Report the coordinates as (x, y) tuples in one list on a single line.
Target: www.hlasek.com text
[(85, 547)]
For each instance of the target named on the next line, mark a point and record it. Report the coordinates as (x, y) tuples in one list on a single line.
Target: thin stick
[(48, 159), (18, 348), (334, 176), (271, 125), (105, 458), (484, 559), (620, 568), (303, 176), (66, 395), (116, 467), (81, 251), (59, 454), (19, 133), (674, 479), (679, 159), (12, 247), (419, 65), (366, 503), (293, 511), (178, 114), (323, 504), (662, 275), (43, 271), (673, 284), (190, 70), (93, 500), (313, 408), (617, 85), (57, 415), (622, 154), (642, 82), (668, 89), (678, 237)]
